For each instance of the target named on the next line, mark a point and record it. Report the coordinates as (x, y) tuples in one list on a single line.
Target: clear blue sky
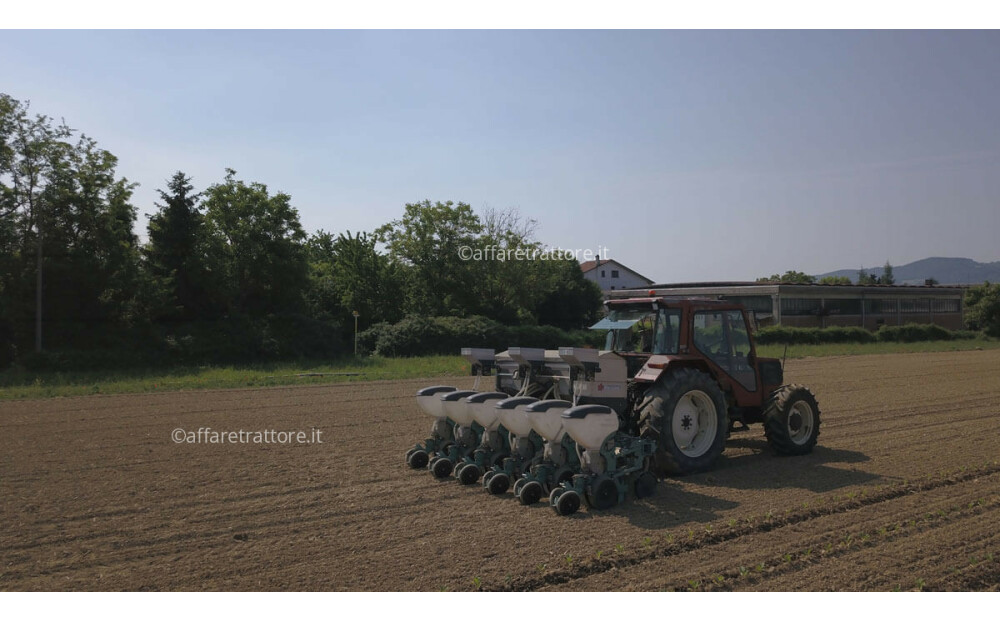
[(691, 155)]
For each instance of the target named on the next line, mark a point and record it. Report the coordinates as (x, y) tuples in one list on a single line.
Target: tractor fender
[(657, 365)]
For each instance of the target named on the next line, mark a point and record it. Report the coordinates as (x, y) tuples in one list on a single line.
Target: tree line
[(228, 272), (864, 277)]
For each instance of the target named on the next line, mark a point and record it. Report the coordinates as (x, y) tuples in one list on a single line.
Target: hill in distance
[(944, 270)]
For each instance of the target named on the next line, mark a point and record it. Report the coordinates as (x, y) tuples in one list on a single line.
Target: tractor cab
[(654, 333), (648, 328)]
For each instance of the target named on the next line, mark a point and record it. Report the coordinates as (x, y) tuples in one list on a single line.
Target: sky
[(690, 155)]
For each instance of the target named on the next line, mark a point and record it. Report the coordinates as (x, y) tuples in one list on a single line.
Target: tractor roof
[(672, 302)]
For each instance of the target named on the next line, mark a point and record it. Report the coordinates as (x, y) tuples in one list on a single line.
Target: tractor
[(677, 376)]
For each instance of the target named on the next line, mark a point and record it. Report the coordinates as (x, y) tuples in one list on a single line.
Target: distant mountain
[(944, 270)]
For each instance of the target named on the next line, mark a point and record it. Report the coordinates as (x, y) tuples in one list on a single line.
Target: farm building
[(826, 305)]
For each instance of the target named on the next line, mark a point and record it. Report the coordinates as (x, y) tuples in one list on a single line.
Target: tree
[(834, 280), (262, 246), (982, 308), (865, 278), (509, 278), (68, 216), (569, 300), (887, 277), (29, 152), (434, 240), (348, 274), (870, 279), (179, 255), (790, 277)]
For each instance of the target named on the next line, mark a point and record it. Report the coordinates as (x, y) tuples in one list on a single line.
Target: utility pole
[(38, 289), (356, 315)]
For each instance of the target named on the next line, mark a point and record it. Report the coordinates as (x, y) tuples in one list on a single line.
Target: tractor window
[(723, 337), (641, 330), (740, 367), (668, 328), (709, 336)]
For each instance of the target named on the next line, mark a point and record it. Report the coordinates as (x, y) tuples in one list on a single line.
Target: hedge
[(420, 335), (911, 332)]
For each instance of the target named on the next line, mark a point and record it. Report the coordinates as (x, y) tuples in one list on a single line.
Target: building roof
[(590, 265), (773, 288), (813, 284)]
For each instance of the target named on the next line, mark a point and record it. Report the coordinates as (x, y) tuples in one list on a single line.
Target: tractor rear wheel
[(791, 420), (685, 412)]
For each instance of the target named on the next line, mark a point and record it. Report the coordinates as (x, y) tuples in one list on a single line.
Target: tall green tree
[(262, 246), (508, 278), (887, 275), (68, 231), (93, 261), (180, 256), (569, 300), (31, 148), (430, 238), (349, 274)]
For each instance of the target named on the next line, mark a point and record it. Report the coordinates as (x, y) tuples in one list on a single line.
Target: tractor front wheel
[(791, 420), (685, 412)]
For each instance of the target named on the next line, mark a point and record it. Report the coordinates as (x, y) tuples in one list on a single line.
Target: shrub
[(910, 332), (420, 335), (913, 332), (813, 335)]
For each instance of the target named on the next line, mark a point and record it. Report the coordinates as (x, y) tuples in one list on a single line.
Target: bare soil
[(903, 492)]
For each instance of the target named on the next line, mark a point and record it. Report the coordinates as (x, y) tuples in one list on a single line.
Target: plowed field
[(902, 492)]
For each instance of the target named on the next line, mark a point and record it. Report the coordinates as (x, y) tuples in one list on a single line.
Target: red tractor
[(674, 379), (692, 375)]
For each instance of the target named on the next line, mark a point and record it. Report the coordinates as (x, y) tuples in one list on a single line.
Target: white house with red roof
[(611, 275)]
